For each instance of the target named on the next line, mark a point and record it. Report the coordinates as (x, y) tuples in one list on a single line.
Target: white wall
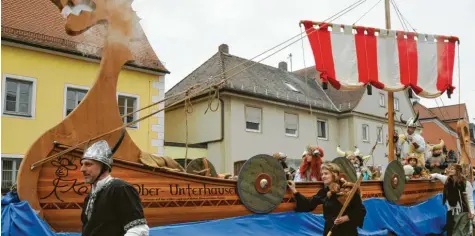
[(369, 104), (201, 127), (272, 138)]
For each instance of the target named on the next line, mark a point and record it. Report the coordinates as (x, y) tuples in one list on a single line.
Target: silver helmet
[(411, 122), (100, 151)]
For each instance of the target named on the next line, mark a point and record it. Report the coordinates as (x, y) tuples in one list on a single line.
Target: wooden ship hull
[(170, 197)]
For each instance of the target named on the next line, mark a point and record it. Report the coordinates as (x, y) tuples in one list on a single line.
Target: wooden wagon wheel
[(394, 181), (261, 183), (201, 166), (346, 168)]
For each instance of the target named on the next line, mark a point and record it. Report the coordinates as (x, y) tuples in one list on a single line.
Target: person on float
[(354, 214), (282, 157), (417, 144), (112, 206), (356, 158), (412, 160), (436, 162), (310, 168), (458, 197)]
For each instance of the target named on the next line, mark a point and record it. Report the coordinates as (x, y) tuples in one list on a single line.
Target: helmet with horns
[(411, 122), (101, 152)]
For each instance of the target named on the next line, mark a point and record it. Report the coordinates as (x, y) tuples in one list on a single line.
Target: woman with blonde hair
[(458, 197), (353, 215)]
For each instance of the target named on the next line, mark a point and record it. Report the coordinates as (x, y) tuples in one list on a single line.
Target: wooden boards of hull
[(172, 197)]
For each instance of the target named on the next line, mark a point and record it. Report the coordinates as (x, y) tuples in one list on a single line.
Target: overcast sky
[(184, 34)]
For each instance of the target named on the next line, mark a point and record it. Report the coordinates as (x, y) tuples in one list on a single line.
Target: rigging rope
[(367, 11), (406, 22), (404, 18), (399, 16)]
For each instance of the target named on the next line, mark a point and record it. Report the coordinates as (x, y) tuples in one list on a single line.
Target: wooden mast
[(390, 95)]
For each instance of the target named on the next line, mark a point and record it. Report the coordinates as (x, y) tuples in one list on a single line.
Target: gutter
[(12, 42)]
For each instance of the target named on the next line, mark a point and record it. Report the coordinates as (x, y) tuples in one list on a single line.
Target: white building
[(266, 110)]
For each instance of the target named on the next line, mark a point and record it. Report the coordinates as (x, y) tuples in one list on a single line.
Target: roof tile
[(39, 23)]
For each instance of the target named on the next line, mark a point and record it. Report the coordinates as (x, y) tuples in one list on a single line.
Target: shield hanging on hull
[(201, 166), (261, 184), (346, 168), (394, 181)]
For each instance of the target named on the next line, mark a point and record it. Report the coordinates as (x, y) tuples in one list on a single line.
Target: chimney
[(224, 48), (283, 65)]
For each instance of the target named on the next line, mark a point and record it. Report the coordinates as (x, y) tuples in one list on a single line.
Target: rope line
[(403, 24), (367, 11), (404, 18)]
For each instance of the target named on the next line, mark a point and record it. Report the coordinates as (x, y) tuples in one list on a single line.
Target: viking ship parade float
[(50, 180)]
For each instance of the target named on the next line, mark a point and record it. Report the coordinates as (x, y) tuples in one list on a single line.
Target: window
[(379, 134), (291, 124), (10, 168), (322, 129), (382, 100), (366, 133), (19, 96), (253, 119), (396, 104), (74, 96), (291, 87), (128, 104)]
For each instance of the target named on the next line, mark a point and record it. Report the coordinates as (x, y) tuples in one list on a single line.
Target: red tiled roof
[(424, 112), (40, 24), (452, 112)]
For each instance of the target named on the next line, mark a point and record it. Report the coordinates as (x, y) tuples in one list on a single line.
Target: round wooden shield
[(201, 166), (346, 168), (261, 184), (394, 181)]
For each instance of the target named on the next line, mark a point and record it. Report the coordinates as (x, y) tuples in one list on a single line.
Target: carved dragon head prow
[(84, 14)]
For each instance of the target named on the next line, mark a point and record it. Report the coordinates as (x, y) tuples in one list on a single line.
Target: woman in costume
[(309, 170), (458, 197), (332, 201)]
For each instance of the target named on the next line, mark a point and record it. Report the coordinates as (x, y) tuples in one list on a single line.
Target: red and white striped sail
[(391, 60)]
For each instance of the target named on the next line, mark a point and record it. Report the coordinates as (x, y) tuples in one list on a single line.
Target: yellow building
[(46, 73)]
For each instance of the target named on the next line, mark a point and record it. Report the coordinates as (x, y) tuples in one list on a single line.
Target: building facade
[(267, 109), (46, 74)]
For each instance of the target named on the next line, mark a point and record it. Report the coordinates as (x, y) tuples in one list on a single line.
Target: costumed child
[(412, 161), (356, 159), (436, 163)]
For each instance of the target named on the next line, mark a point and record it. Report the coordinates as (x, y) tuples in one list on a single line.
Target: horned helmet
[(279, 156), (437, 149), (412, 122), (352, 154), (101, 152), (315, 150)]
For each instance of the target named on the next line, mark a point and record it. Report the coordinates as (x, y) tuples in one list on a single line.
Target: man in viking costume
[(436, 162), (417, 144), (113, 206)]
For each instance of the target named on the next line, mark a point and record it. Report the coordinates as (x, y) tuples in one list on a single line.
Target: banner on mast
[(351, 57)]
